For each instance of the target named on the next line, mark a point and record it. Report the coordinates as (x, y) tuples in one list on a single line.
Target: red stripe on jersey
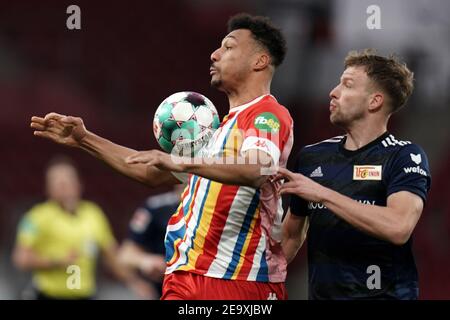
[(226, 195), (176, 217), (251, 250)]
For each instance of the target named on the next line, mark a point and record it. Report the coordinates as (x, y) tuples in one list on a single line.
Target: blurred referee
[(64, 232)]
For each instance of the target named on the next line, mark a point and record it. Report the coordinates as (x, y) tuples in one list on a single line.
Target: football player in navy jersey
[(143, 250), (358, 197)]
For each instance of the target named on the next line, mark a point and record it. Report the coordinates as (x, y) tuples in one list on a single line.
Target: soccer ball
[(184, 122)]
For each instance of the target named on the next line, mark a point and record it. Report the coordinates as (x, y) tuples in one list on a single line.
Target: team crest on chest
[(367, 172)]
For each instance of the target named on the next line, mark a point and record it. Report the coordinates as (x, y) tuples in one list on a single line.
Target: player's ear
[(376, 101), (262, 61)]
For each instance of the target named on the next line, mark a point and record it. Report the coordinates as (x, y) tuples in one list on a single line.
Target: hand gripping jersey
[(229, 231)]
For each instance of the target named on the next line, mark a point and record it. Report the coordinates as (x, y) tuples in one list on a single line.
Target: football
[(184, 122)]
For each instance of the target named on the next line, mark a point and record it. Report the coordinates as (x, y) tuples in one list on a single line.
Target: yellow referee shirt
[(54, 233)]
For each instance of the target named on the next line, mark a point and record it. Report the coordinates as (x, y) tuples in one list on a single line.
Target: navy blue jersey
[(148, 225), (341, 258)]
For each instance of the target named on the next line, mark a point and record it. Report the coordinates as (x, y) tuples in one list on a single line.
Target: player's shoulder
[(329, 143), (267, 114), (41, 213), (90, 206), (91, 210), (267, 105), (270, 103), (42, 210), (401, 147)]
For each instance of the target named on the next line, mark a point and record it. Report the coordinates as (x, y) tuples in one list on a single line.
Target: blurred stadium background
[(130, 55)]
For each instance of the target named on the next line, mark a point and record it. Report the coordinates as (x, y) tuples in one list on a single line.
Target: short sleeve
[(267, 128), (28, 231), (409, 172)]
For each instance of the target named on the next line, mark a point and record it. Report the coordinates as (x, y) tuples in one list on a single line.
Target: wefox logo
[(417, 169)]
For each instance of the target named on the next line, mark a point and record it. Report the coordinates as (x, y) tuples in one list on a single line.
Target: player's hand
[(300, 186), (159, 159), (153, 266), (68, 260), (142, 289), (61, 129)]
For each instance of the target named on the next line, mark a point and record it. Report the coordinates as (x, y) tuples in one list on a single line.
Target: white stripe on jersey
[(190, 192), (214, 146), (392, 141), (331, 140), (229, 236), (257, 258), (276, 232), (248, 104), (176, 226)]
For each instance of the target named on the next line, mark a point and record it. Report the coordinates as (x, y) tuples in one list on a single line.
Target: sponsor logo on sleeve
[(417, 169), (267, 121), (417, 159), (367, 172)]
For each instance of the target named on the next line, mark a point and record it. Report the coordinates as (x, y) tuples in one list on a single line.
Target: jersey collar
[(248, 104), (350, 153)]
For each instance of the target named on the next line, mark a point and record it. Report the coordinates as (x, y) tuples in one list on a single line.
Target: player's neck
[(245, 94), (362, 134), (69, 206)]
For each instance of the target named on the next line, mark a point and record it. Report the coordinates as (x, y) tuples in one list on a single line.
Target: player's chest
[(79, 234), (227, 137), (363, 180)]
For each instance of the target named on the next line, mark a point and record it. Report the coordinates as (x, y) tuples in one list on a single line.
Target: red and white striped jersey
[(230, 231)]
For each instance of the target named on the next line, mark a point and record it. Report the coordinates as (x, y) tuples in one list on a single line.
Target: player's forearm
[(130, 256), (30, 261), (291, 247), (114, 155), (122, 272), (381, 222), (232, 174), (294, 234)]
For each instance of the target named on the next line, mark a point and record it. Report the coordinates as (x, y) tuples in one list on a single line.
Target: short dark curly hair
[(264, 32)]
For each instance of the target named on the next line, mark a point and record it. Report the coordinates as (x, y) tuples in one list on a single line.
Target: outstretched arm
[(252, 169), (70, 131), (25, 258), (133, 256), (394, 223)]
